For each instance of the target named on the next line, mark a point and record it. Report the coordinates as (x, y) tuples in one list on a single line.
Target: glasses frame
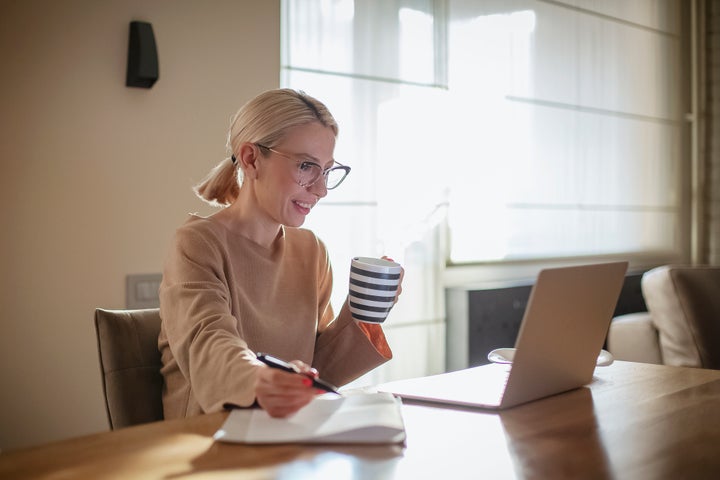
[(324, 172)]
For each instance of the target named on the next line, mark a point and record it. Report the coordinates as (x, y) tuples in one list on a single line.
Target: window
[(494, 130), (574, 122)]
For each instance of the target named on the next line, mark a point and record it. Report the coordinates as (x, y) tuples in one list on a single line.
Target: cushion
[(684, 302)]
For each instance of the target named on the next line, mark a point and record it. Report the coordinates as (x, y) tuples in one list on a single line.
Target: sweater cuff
[(347, 350)]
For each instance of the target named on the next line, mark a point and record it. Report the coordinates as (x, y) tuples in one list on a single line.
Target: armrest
[(634, 338)]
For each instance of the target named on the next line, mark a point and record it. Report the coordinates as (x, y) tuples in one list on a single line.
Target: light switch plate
[(141, 290)]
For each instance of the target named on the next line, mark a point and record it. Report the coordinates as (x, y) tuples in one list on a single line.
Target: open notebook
[(562, 332), (356, 418)]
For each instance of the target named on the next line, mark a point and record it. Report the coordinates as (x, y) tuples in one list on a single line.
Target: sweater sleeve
[(345, 349), (201, 332)]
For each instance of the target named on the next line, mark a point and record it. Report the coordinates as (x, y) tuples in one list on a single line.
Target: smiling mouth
[(305, 205)]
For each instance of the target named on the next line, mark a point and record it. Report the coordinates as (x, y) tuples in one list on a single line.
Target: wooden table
[(635, 421)]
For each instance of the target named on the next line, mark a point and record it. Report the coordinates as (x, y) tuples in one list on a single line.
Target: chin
[(296, 223)]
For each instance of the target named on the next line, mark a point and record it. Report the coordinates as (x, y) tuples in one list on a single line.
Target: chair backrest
[(130, 365), (685, 307)]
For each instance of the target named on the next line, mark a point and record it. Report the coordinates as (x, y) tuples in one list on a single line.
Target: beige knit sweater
[(223, 298)]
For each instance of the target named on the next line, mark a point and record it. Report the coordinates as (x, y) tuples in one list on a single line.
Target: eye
[(308, 166)]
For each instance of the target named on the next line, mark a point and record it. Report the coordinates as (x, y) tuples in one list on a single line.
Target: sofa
[(682, 324)]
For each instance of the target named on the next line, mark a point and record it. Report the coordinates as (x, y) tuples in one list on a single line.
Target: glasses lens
[(308, 173), (335, 177)]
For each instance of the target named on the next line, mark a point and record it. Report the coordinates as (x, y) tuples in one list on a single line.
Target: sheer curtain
[(574, 112), (487, 131), (375, 65)]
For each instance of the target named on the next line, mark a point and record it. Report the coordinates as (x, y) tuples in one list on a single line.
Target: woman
[(247, 279)]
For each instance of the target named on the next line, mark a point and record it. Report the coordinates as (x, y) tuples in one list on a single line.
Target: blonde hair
[(265, 119)]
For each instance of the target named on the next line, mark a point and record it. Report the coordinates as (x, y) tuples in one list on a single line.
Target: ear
[(247, 159)]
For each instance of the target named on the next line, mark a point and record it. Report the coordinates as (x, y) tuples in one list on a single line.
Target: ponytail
[(221, 186)]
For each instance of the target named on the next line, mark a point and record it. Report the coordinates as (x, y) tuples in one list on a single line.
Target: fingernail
[(307, 382)]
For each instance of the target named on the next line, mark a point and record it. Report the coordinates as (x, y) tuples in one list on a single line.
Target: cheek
[(277, 177), (277, 191)]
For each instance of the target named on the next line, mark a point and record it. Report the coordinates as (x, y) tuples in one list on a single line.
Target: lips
[(304, 207), (305, 204)]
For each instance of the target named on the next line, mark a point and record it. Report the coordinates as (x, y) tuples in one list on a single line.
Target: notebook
[(562, 332), (361, 418)]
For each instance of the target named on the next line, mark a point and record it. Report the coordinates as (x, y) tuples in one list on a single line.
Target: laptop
[(562, 333)]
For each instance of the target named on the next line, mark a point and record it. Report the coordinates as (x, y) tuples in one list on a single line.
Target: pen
[(275, 362)]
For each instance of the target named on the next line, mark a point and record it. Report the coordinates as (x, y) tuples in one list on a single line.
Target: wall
[(96, 176)]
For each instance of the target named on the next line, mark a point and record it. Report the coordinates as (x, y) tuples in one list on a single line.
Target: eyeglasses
[(308, 172)]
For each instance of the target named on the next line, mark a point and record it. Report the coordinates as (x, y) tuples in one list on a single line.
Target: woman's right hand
[(282, 393)]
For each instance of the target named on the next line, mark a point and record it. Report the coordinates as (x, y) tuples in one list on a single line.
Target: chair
[(682, 324), (130, 365)]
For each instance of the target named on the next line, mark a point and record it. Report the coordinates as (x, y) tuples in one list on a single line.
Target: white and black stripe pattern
[(372, 292)]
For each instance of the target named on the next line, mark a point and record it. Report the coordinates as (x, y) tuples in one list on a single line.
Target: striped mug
[(373, 286)]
